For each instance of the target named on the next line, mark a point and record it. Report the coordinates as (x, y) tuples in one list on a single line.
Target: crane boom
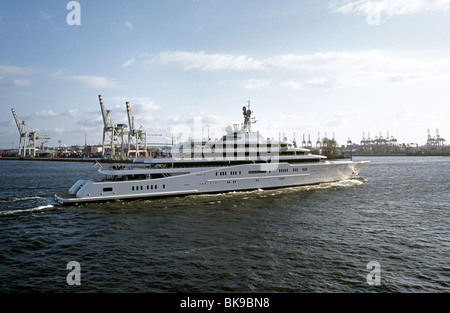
[(19, 127), (105, 118), (130, 118)]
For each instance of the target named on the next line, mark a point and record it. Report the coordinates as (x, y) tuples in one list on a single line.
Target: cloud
[(142, 108), (294, 62), (45, 114), (210, 62), (9, 73), (402, 114), (14, 70), (333, 69), (307, 62), (75, 113), (128, 63), (44, 15), (337, 122), (96, 82), (314, 82), (91, 122), (389, 7), (50, 114), (293, 84), (142, 105), (128, 25), (69, 122), (343, 118), (348, 113), (320, 61), (19, 82), (252, 84), (319, 82)]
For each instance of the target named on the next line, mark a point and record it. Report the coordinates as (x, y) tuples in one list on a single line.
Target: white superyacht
[(241, 160)]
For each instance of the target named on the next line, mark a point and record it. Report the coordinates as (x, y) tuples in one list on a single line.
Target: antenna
[(247, 117)]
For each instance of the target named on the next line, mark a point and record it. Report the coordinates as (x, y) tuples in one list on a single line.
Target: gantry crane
[(27, 140), (137, 138), (438, 141), (23, 134), (112, 134)]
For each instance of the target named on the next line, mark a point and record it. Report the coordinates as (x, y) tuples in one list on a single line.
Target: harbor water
[(321, 238)]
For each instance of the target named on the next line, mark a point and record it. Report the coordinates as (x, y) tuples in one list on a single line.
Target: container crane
[(440, 141), (303, 141), (112, 133), (23, 134), (138, 137), (27, 140)]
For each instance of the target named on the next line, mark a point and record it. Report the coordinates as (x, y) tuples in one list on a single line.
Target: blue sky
[(331, 66)]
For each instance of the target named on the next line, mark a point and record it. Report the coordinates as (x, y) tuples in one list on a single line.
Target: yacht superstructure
[(241, 160)]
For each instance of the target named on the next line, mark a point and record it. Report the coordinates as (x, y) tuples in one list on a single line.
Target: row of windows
[(231, 173), (228, 154), (217, 161), (285, 170), (149, 187), (281, 170), (304, 169), (230, 142)]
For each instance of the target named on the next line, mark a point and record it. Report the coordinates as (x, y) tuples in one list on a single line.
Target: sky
[(342, 68)]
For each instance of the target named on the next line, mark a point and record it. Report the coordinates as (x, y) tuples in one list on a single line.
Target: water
[(304, 239)]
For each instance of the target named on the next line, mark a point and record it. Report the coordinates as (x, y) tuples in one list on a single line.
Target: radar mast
[(247, 117)]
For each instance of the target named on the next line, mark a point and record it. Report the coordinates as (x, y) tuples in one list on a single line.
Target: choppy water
[(305, 239)]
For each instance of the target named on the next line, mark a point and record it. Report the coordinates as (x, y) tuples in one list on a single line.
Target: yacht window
[(107, 189)]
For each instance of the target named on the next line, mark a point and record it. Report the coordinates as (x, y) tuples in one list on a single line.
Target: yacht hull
[(214, 180)]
